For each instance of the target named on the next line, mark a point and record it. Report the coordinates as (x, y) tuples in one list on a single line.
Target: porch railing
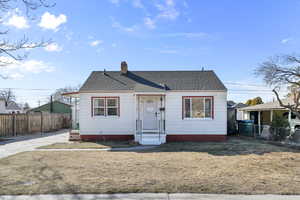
[(161, 128)]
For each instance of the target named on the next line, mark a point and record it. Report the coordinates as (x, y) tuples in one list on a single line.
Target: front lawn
[(235, 166), (90, 145)]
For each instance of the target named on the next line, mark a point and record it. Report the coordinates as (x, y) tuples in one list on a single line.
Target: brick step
[(74, 135)]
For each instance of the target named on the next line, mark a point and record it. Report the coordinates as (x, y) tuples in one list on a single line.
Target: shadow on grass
[(233, 146), (91, 145)]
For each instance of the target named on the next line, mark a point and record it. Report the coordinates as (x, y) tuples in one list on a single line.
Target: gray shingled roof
[(11, 105), (268, 106), (150, 81)]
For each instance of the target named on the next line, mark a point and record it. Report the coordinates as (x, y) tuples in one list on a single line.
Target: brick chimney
[(124, 67)]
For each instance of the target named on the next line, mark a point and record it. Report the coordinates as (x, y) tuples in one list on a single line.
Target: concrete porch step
[(151, 139)]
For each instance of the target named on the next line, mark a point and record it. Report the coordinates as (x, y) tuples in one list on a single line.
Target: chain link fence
[(267, 132)]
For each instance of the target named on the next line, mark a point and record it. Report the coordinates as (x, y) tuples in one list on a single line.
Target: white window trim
[(191, 110), (95, 106), (106, 107)]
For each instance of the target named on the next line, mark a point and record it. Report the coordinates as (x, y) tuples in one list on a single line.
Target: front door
[(150, 113)]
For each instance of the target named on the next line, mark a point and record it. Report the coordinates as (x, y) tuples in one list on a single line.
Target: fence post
[(14, 125), (42, 119), (27, 119)]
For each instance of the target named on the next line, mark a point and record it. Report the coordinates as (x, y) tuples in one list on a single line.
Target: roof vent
[(124, 67)]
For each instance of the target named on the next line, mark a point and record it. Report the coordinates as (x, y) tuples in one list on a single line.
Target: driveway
[(29, 143)]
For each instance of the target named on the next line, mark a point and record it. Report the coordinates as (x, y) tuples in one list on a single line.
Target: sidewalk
[(30, 142), (152, 196)]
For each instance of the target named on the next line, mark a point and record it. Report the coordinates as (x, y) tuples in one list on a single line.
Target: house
[(54, 107), (2, 106), (153, 107), (234, 114), (10, 107), (262, 114)]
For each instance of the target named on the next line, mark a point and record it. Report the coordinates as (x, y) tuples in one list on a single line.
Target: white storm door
[(150, 114)]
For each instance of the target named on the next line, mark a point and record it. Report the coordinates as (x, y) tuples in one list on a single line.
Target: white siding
[(2, 106), (239, 115), (176, 125), (114, 125), (125, 124)]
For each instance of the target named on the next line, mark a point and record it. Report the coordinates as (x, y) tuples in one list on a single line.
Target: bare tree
[(8, 95), (57, 95), (283, 71), (11, 51)]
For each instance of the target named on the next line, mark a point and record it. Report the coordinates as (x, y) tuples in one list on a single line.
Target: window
[(198, 107), (105, 106)]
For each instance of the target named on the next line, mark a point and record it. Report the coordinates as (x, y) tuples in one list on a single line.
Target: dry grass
[(236, 166), (89, 145)]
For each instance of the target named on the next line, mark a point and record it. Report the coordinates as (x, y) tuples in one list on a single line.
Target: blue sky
[(229, 36)]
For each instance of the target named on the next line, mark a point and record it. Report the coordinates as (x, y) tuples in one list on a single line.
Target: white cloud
[(53, 47), (115, 2), (168, 51), (137, 4), (69, 35), (16, 76), (17, 21), (286, 40), (149, 23), (168, 10), (99, 50), (49, 21), (19, 69), (170, 2), (185, 4), (96, 43), (117, 25)]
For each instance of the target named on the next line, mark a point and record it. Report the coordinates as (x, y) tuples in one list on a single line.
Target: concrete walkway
[(29, 143), (135, 148), (149, 196)]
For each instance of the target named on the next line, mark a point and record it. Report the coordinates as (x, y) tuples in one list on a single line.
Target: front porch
[(150, 119)]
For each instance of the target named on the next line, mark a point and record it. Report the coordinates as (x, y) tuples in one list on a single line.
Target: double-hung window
[(198, 107), (105, 106)]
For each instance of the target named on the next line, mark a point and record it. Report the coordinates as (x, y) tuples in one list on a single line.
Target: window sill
[(198, 119), (105, 117)]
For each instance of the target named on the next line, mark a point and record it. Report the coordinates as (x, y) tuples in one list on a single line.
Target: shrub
[(279, 128)]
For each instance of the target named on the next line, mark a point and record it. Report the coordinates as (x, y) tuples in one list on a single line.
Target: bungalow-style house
[(54, 107), (153, 107), (234, 114), (9, 107), (263, 114)]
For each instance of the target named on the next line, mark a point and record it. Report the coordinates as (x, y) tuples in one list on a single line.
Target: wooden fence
[(22, 124)]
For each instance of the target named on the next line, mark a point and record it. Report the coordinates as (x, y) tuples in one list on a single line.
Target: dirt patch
[(90, 145), (234, 167)]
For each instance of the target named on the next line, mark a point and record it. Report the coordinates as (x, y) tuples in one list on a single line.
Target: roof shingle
[(152, 81)]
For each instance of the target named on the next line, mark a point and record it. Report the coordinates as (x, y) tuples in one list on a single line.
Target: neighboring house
[(234, 114), (55, 107), (11, 107), (152, 107), (2, 106), (263, 114)]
